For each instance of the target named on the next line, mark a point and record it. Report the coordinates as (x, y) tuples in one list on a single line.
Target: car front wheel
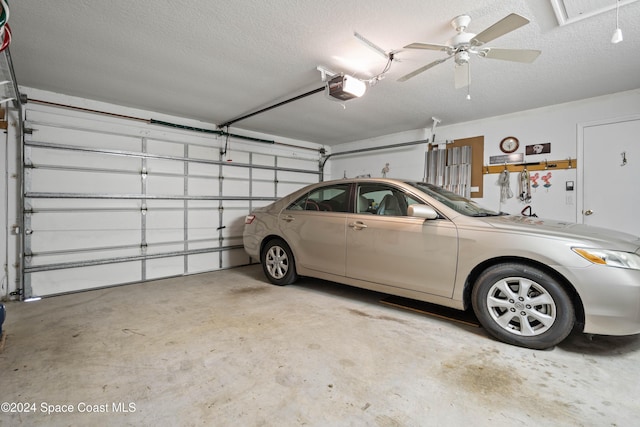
[(523, 305), (278, 263)]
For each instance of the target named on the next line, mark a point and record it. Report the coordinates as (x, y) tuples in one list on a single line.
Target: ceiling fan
[(464, 44)]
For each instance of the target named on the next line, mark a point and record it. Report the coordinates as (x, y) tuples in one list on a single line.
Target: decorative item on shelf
[(509, 144)]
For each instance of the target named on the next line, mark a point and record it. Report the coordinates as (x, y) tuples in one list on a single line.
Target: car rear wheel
[(278, 263), (523, 305)]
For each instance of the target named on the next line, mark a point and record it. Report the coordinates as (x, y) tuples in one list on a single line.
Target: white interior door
[(611, 175)]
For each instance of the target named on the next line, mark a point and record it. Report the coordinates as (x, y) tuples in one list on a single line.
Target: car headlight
[(610, 258)]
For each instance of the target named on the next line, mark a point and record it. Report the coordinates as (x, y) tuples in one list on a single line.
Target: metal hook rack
[(531, 166)]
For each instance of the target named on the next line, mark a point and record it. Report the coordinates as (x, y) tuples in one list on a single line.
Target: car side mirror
[(422, 211)]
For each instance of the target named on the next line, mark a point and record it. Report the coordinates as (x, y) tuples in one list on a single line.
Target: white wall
[(556, 124)]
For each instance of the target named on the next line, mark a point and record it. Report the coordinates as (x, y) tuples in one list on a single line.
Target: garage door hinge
[(16, 293), (28, 131)]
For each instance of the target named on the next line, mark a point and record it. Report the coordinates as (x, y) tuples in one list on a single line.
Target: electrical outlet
[(569, 199)]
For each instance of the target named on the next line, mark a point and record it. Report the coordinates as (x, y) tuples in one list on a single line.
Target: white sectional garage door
[(111, 201)]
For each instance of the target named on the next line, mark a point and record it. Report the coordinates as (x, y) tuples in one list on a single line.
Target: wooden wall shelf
[(532, 166)]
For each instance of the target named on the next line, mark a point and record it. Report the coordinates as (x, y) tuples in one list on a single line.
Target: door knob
[(588, 212)]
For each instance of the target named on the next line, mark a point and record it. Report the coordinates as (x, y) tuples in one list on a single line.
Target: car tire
[(278, 263), (523, 305)]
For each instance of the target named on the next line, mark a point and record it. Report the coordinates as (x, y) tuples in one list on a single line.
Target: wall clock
[(509, 144)]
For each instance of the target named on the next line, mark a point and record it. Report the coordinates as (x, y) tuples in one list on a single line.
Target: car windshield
[(458, 203)]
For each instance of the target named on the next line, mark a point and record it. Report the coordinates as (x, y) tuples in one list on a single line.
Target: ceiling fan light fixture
[(345, 87)]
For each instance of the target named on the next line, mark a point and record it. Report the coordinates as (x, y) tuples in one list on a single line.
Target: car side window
[(332, 198), (379, 199)]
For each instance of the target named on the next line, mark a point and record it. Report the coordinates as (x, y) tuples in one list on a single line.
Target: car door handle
[(288, 218), (358, 225)]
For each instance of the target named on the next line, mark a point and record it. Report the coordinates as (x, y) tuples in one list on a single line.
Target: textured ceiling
[(215, 60)]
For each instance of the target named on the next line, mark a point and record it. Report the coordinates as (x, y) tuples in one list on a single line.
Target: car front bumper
[(610, 298)]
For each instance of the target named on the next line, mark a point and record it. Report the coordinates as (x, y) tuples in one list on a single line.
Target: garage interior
[(138, 136)]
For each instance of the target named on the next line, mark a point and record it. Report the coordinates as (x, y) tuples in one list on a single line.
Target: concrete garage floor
[(227, 348)]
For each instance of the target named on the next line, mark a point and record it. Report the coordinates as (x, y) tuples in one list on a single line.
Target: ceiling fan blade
[(461, 75), (423, 69), (505, 25), (516, 55), (371, 45), (429, 46)]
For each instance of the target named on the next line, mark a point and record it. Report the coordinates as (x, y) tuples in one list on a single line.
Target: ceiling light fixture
[(617, 34)]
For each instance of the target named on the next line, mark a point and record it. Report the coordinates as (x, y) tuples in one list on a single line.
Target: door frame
[(580, 156)]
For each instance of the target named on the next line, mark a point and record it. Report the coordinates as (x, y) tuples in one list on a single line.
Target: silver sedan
[(529, 281)]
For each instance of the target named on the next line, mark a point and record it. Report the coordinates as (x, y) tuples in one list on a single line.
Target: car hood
[(595, 236)]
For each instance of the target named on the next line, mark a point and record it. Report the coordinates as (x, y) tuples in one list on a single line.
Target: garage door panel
[(200, 263), (145, 201), (233, 188), (203, 186), (82, 256), (264, 175), (48, 157), (98, 205), (165, 185), (235, 172), (85, 221), (86, 138), (204, 169), (296, 177), (263, 159), (297, 163), (84, 278), (197, 233), (162, 236), (203, 218), (193, 205), (164, 267), (74, 240), (234, 258), (164, 148), (234, 223), (204, 153), (264, 189), (160, 166), (197, 243), (164, 219), (61, 181), (285, 188), (165, 248), (49, 241), (238, 156)]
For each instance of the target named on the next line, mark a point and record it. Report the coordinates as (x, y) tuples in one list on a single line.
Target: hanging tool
[(524, 186), (504, 181)]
